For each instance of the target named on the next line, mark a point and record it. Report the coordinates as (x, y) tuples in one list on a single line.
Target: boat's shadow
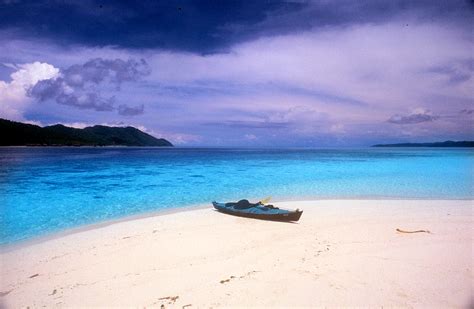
[(250, 218)]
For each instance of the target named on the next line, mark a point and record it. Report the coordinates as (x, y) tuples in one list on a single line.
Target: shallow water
[(44, 190)]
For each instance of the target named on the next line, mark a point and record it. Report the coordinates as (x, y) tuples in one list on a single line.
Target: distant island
[(436, 144), (21, 134)]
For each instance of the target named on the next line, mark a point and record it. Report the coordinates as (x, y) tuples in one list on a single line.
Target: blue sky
[(243, 73)]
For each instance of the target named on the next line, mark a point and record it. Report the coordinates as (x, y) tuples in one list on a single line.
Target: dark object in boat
[(244, 208)]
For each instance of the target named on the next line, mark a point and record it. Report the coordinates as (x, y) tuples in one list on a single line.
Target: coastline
[(95, 225), (166, 211), (342, 252)]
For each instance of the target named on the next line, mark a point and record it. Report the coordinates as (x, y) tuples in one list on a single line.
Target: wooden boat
[(258, 211)]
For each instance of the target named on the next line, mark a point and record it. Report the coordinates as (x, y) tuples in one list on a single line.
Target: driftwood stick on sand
[(417, 231)]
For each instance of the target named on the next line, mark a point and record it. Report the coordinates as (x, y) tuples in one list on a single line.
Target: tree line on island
[(22, 134)]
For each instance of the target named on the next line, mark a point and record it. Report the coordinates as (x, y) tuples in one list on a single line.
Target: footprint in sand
[(5, 293), (243, 276)]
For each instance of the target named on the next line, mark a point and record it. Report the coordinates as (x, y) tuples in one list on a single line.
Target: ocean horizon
[(46, 190)]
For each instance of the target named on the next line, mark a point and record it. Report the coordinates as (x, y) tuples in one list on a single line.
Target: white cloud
[(76, 125), (331, 81), (13, 98), (381, 65), (340, 81)]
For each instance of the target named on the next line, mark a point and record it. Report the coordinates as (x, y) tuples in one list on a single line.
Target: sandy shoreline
[(92, 226), (167, 211), (341, 253)]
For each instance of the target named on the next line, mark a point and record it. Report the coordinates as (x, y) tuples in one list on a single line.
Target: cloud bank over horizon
[(346, 75), (82, 86)]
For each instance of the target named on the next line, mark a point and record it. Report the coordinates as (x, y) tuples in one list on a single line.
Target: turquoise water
[(44, 190)]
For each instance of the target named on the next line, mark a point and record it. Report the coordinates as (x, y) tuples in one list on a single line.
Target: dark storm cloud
[(177, 25), (203, 26), (82, 85), (414, 118)]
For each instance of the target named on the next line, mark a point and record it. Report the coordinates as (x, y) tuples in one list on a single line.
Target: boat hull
[(285, 216)]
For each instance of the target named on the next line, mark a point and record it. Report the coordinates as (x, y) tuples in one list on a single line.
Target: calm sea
[(45, 190)]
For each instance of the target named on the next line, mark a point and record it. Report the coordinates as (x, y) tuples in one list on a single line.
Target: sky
[(243, 73)]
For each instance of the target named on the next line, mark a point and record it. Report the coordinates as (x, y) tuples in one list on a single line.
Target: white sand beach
[(341, 253)]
